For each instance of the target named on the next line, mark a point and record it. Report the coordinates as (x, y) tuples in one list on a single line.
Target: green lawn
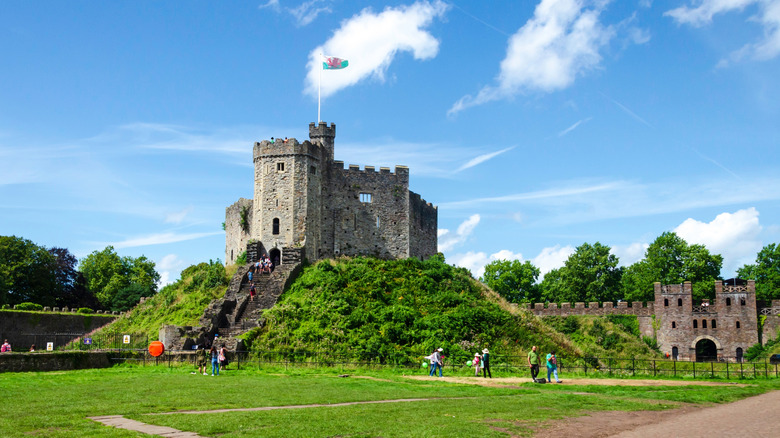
[(57, 404)]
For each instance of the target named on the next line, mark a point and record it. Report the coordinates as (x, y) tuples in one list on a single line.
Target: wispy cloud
[(178, 216), (560, 192), (271, 4), (448, 239), (159, 239), (628, 111), (562, 40), (371, 41), (307, 12), (729, 171), (573, 127), (482, 158), (768, 17)]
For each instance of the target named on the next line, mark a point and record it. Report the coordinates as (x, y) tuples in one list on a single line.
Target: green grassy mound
[(398, 311), (604, 336), (179, 303)]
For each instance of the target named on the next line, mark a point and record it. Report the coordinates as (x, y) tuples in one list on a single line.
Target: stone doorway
[(276, 256), (706, 351)]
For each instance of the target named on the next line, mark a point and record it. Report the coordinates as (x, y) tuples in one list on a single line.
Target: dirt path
[(512, 381)]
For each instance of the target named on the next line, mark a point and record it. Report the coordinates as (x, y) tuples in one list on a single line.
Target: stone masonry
[(303, 198), (730, 324)]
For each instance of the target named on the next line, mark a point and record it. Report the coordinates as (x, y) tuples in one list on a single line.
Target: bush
[(6, 306), (29, 306), (85, 310), (651, 342), (241, 259)]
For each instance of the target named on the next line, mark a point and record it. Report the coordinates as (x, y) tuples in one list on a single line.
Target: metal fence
[(98, 341), (502, 364)]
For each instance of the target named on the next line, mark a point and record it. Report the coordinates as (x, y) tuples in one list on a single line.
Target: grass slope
[(179, 303), (400, 310)]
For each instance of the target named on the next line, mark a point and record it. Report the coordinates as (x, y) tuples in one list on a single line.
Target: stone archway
[(276, 256), (706, 351)]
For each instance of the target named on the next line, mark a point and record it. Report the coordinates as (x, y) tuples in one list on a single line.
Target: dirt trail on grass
[(757, 416), (511, 381)]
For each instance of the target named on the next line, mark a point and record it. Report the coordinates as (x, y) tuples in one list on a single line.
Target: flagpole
[(319, 92)]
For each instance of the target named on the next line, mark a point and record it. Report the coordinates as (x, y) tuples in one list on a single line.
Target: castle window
[(703, 323), (728, 301), (666, 302), (714, 324), (675, 353), (313, 170), (365, 198), (737, 324), (276, 226), (377, 222), (695, 323), (674, 324), (741, 301), (280, 167), (679, 302), (739, 354)]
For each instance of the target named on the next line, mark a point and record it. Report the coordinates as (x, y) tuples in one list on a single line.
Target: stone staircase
[(236, 313)]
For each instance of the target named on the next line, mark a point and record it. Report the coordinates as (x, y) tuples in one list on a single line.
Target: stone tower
[(304, 199)]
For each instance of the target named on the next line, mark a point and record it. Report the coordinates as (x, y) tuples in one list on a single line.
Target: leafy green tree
[(71, 288), (552, 285), (27, 272), (106, 274), (671, 260), (513, 280), (766, 272), (590, 274)]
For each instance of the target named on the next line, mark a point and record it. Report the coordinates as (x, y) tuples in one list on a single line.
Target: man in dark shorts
[(533, 362), (203, 359)]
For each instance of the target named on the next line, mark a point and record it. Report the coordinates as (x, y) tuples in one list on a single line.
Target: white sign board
[(126, 339), (50, 346)]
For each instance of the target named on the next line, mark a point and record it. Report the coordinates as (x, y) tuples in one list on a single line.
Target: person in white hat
[(436, 361), (477, 365), (486, 363)]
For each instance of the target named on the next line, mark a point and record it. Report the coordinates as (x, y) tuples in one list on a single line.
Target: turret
[(323, 135)]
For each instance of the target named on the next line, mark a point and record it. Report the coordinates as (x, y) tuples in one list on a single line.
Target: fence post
[(727, 368), (609, 364), (674, 365), (766, 368), (694, 369), (633, 366), (712, 369), (654, 370), (741, 372)]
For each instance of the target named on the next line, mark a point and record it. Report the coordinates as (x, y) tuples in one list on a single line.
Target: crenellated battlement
[(369, 170), (637, 308)]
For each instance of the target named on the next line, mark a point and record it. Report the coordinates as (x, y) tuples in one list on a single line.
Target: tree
[(26, 272), (513, 280), (553, 286), (591, 274), (71, 287), (766, 272), (107, 274), (671, 260)]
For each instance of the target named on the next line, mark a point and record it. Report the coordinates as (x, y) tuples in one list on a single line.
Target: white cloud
[(159, 239), (482, 158), (628, 255), (768, 16), (273, 4), (178, 216), (476, 261), (448, 240), (167, 266), (735, 236), (307, 12), (370, 42), (552, 258), (573, 127), (561, 41)]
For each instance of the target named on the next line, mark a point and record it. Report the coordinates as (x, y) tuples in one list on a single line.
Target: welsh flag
[(333, 63)]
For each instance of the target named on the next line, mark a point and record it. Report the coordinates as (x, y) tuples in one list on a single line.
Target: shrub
[(241, 259), (6, 306), (85, 310), (651, 342), (29, 306)]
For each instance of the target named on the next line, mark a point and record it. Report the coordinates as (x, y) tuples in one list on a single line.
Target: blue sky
[(535, 126)]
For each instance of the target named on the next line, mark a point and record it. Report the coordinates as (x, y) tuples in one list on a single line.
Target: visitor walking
[(214, 360), (223, 362), (436, 362), (552, 367), (476, 363), (203, 359), (486, 363), (533, 362)]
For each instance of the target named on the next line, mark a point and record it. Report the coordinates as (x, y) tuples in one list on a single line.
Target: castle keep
[(307, 201)]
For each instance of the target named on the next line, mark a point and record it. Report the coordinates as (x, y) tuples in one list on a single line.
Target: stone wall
[(23, 329), (235, 237), (423, 227), (772, 322), (59, 361), (643, 311)]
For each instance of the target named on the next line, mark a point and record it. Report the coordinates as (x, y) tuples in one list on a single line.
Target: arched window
[(737, 324), (276, 226), (739, 354), (703, 323), (674, 324), (675, 353), (679, 302), (714, 324), (728, 301), (666, 302), (695, 323)]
